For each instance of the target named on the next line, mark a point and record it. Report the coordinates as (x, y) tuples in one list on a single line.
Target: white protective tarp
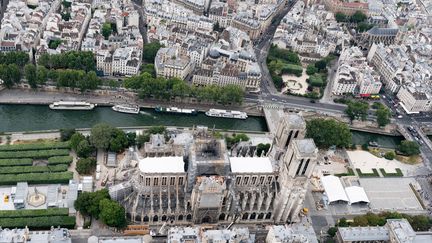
[(356, 194), (333, 188)]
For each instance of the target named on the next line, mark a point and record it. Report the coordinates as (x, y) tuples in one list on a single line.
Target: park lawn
[(41, 140)]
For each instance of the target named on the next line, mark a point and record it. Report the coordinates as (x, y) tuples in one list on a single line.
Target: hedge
[(33, 169), (349, 173), (373, 174), (39, 222), (397, 174), (34, 154), (16, 162), (35, 146), (37, 178), (60, 160), (29, 213)]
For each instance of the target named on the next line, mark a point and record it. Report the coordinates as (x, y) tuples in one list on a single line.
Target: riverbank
[(108, 98)]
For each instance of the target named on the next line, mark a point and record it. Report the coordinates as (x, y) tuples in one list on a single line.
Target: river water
[(14, 118)]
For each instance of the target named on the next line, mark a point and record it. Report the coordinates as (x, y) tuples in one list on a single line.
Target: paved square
[(391, 194)]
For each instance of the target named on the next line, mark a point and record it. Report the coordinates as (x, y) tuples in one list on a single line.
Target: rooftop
[(162, 165), (251, 164)]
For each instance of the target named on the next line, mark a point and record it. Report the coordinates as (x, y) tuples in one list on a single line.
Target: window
[(246, 180), (254, 179), (180, 181), (164, 181), (147, 181), (238, 180), (269, 179), (155, 181), (261, 180), (172, 181)]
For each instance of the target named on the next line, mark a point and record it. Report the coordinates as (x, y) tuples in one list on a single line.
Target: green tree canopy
[(88, 202), (311, 69), (112, 213), (106, 30), (101, 135), (42, 75), (66, 133), (409, 148), (84, 149), (10, 74), (19, 58), (383, 115), (358, 17), (86, 166), (328, 132), (75, 139), (340, 17), (357, 110), (150, 50), (390, 155), (79, 60), (262, 148), (30, 75)]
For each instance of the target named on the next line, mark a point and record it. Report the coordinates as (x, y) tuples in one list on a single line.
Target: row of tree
[(358, 110), (280, 61), (358, 19), (79, 60), (162, 88), (19, 58)]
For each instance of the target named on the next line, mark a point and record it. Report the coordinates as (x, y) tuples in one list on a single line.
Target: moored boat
[(72, 105), (227, 114)]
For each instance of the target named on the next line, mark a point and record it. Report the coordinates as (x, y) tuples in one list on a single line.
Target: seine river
[(14, 118)]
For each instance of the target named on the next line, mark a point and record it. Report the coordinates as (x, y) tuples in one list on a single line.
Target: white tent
[(334, 189), (356, 194)]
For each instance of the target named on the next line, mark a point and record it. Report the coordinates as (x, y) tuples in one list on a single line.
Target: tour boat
[(131, 109), (176, 110)]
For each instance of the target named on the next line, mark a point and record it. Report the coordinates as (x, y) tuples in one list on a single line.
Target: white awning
[(356, 194), (334, 189)]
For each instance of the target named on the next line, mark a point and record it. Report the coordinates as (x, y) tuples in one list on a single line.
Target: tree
[(149, 68), (86, 166), (358, 17), (19, 58), (66, 133), (383, 115), (53, 44), (10, 74), (332, 231), (262, 148), (390, 155), (216, 26), (357, 110), (75, 139), (106, 30), (101, 135), (89, 82), (150, 50), (328, 132), (131, 137), (340, 17), (112, 213), (42, 74), (88, 202), (30, 75), (118, 140), (409, 148), (321, 65), (84, 149), (311, 69)]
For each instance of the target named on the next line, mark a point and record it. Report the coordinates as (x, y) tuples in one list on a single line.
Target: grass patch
[(16, 162), (397, 174), (373, 174), (33, 169), (39, 222), (37, 178), (411, 160)]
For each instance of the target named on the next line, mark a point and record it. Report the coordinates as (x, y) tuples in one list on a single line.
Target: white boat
[(71, 105), (131, 109), (227, 114)]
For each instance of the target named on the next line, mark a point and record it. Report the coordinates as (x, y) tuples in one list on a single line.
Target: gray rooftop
[(295, 121), (379, 233), (306, 147)]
